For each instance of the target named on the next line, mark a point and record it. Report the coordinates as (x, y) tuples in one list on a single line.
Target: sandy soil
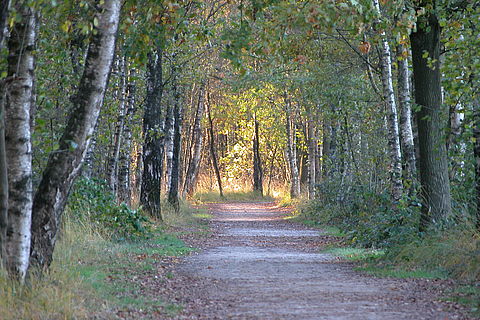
[(258, 265)]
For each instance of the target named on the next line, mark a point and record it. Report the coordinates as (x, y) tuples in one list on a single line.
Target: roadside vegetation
[(103, 251)]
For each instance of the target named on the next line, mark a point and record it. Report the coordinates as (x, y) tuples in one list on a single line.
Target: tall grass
[(60, 293)]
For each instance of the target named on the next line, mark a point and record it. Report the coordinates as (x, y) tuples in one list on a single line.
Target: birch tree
[(197, 140), (64, 164), (4, 6), (407, 143), (434, 180), (392, 116), (154, 135), (18, 105)]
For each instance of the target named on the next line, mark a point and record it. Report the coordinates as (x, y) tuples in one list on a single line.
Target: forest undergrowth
[(384, 237), (103, 246)]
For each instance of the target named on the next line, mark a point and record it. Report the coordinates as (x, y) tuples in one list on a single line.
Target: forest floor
[(255, 263)]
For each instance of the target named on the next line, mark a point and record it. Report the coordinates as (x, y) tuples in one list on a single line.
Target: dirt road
[(260, 266)]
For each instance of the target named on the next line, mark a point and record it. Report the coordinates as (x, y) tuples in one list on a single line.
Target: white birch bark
[(406, 130), (18, 104), (292, 152), (392, 117), (312, 153), (64, 164)]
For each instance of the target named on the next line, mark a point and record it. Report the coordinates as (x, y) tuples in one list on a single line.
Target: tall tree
[(392, 116), (406, 131), (292, 150), (154, 136), (213, 153), (197, 141), (434, 180), (257, 161), (18, 106), (4, 5), (177, 143), (64, 164)]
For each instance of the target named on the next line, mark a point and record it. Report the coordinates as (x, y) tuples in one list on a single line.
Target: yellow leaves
[(66, 26), (300, 59), (364, 47)]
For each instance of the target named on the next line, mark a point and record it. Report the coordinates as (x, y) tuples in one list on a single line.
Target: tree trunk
[(169, 136), (124, 193), (435, 185), (153, 132), (476, 153), (392, 117), (408, 146), (177, 144), (197, 140), (18, 105), (292, 152), (212, 147), (312, 153), (3, 182), (113, 166), (4, 6), (64, 164), (257, 162)]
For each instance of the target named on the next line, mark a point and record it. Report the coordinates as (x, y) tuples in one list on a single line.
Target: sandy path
[(261, 266)]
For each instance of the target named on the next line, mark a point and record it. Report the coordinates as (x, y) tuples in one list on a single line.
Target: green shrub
[(368, 218), (92, 202)]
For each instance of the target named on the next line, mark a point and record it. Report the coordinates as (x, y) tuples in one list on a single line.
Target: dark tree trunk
[(4, 6), (257, 163), (435, 185), (476, 153), (197, 141), (153, 132), (3, 182), (177, 144), (212, 147), (64, 165)]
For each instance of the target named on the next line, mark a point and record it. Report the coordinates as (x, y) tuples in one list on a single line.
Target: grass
[(92, 275), (214, 197), (467, 295)]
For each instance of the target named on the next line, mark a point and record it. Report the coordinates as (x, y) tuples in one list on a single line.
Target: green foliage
[(455, 252), (368, 219), (92, 202)]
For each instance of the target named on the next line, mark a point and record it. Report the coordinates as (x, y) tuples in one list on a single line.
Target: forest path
[(259, 265)]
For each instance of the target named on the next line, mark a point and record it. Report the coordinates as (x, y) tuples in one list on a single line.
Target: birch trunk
[(169, 133), (113, 167), (125, 160), (312, 152), (434, 180), (18, 105), (257, 162), (4, 7), (292, 152), (64, 164), (406, 130), (153, 132), (176, 146), (197, 140), (392, 117)]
